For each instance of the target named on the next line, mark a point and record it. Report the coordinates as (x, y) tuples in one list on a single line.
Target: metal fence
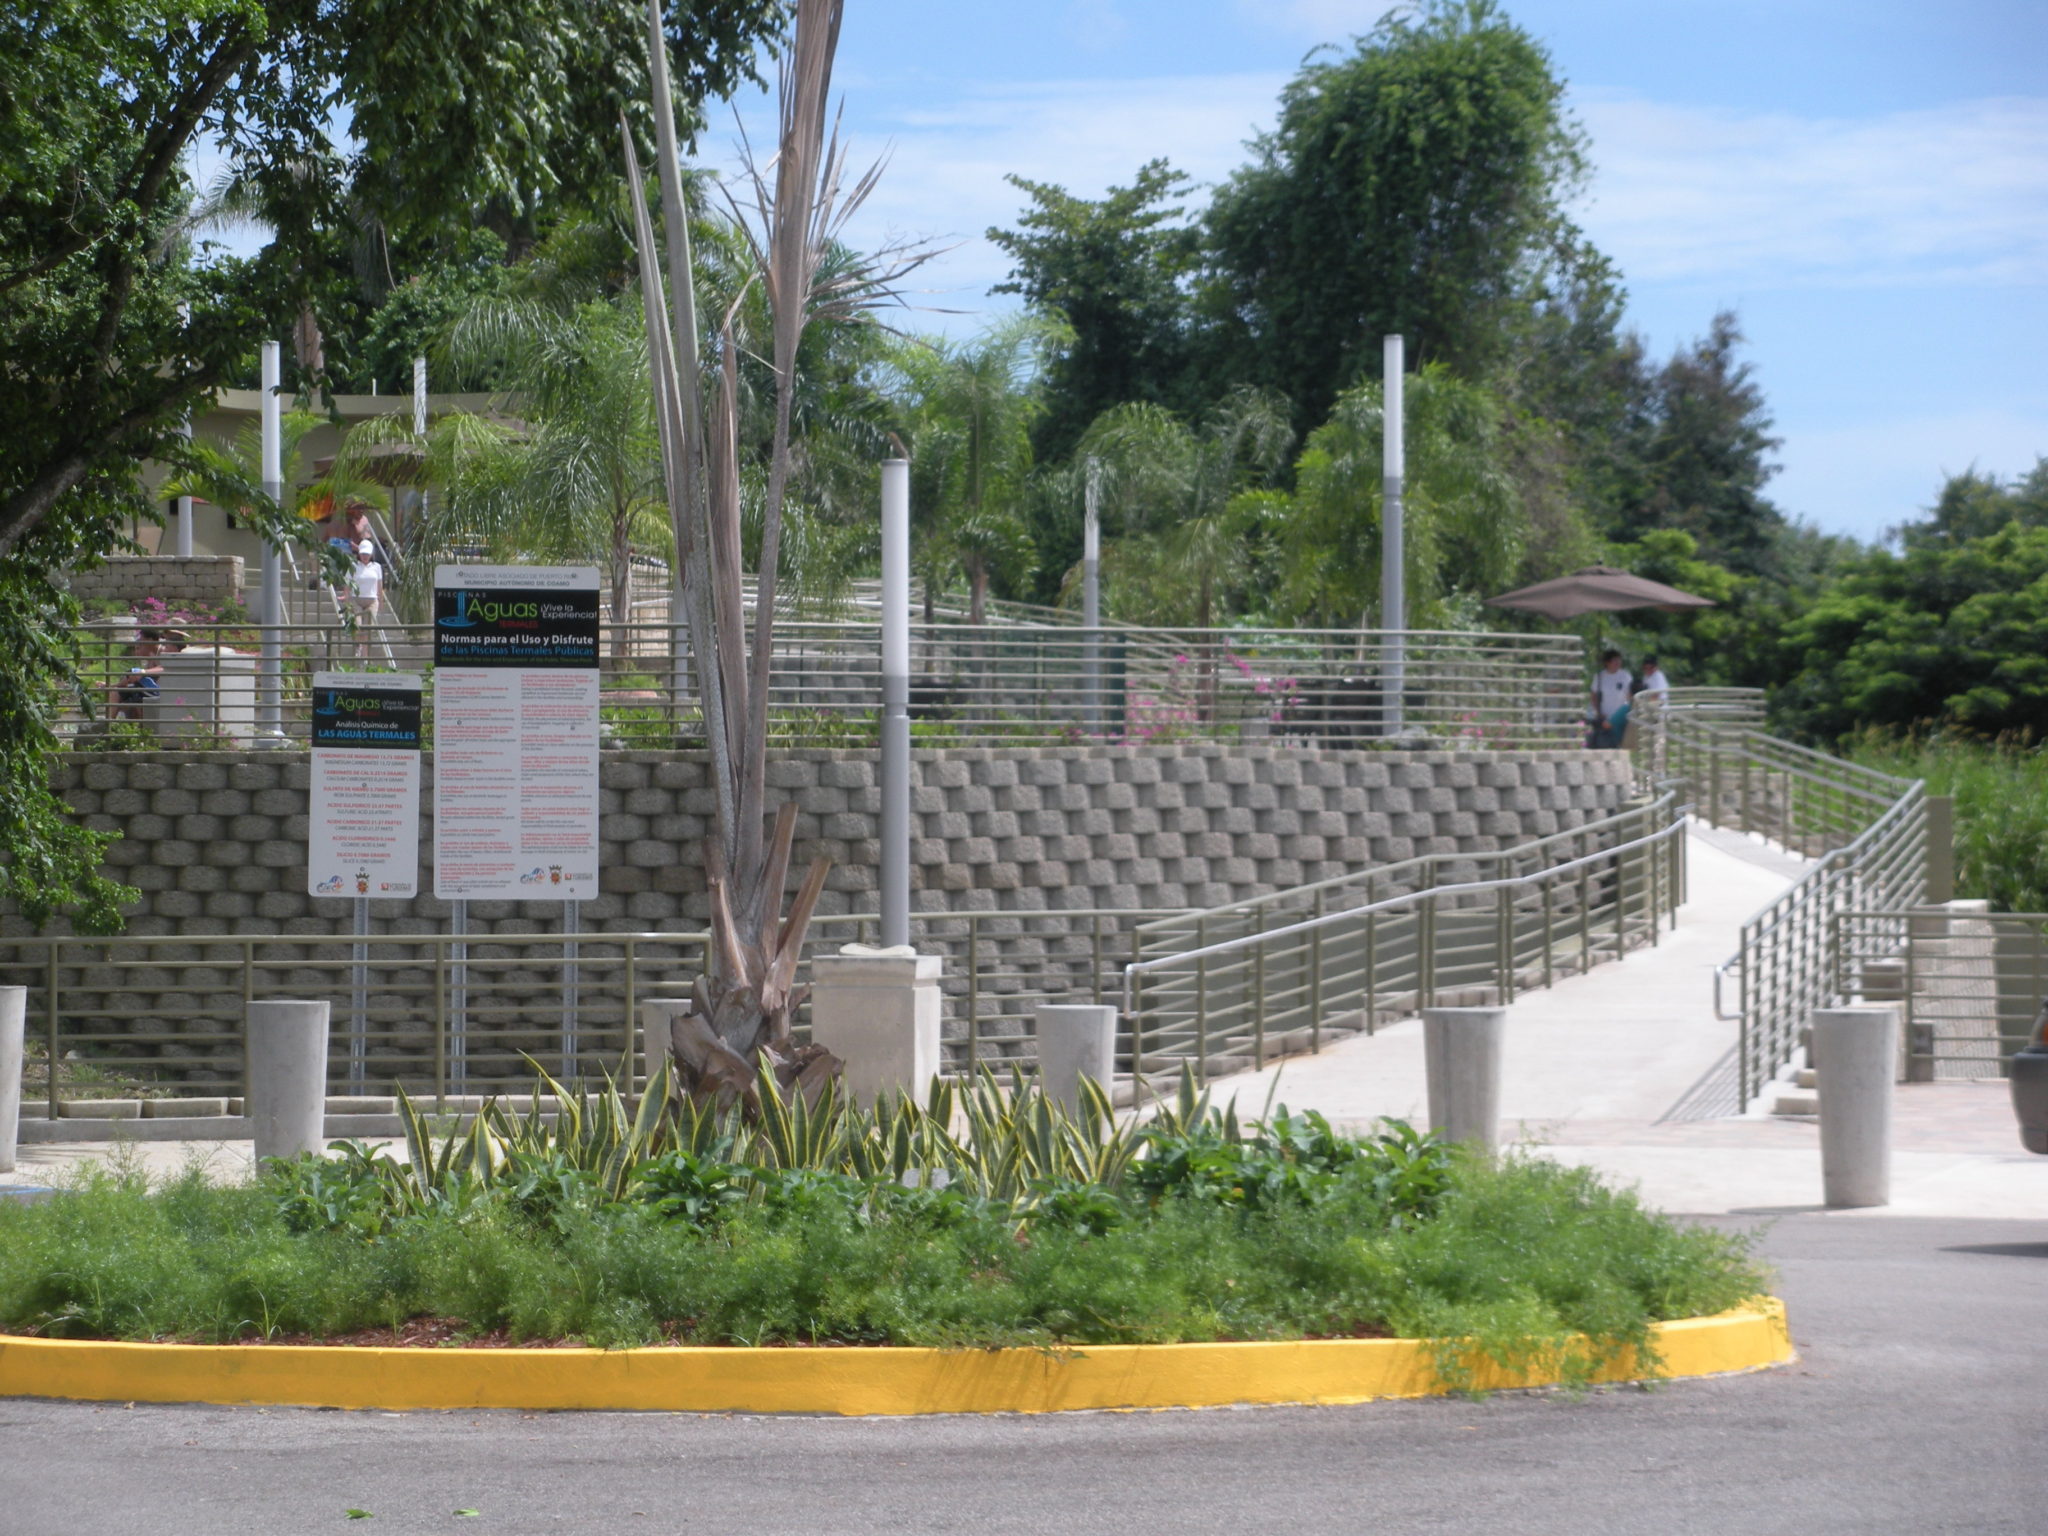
[(156, 1015), (1970, 982), (446, 1015), (1282, 982), (1014, 683), (1866, 832)]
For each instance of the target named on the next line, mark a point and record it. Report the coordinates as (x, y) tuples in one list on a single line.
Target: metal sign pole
[(458, 996), (571, 921), (359, 1001)]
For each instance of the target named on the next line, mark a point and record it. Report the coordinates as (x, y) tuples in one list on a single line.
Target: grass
[(1208, 1232), (2001, 809)]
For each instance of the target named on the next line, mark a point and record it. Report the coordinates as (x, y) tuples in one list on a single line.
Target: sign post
[(515, 754), (363, 836)]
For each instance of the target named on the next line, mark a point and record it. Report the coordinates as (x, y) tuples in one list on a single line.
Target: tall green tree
[(1699, 455), (970, 410), (1952, 636), (1463, 520), (1183, 506), (1115, 270), (1413, 185)]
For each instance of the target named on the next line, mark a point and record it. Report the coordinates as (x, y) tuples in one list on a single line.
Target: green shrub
[(2001, 809)]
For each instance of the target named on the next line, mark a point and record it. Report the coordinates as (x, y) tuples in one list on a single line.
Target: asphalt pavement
[(1919, 1403)]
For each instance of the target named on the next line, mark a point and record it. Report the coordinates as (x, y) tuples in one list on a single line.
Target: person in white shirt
[(1610, 700), (1654, 681), (365, 591)]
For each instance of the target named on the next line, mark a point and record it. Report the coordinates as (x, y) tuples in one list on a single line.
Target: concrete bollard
[(879, 1013), (1855, 1054), (657, 1015), (1462, 1054), (288, 1077), (13, 1023), (1075, 1040)]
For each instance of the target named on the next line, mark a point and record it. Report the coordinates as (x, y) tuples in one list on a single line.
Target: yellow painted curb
[(825, 1381)]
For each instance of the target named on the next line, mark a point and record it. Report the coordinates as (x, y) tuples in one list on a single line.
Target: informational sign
[(515, 732), (364, 831)]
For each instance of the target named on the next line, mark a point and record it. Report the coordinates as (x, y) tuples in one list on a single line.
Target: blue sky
[(1865, 184)]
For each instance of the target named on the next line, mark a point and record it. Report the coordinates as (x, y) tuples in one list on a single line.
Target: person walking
[(1610, 696), (365, 594)]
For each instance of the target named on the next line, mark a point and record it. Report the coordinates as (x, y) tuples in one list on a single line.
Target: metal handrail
[(1022, 685), (1230, 1000), (1866, 833), (1406, 898)]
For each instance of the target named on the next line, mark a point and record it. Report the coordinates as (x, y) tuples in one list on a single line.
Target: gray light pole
[(270, 666), (183, 546), (1393, 572), (895, 881), (1091, 593)]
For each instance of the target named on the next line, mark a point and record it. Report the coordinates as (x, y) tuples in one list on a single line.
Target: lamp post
[(1091, 594), (270, 664), (1393, 586), (895, 872)]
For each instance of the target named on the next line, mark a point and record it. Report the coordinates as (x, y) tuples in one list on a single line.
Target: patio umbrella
[(1597, 589)]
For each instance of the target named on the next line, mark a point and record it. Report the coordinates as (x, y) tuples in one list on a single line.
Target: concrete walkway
[(1628, 1069)]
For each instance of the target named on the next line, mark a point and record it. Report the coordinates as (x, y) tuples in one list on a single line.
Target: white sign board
[(515, 732), (363, 834)]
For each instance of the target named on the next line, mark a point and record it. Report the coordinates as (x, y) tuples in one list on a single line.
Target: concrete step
[(1796, 1103), (1805, 1079)]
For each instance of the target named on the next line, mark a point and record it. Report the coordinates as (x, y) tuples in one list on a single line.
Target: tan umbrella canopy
[(1597, 589)]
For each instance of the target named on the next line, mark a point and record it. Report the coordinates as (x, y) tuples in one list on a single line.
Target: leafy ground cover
[(799, 1227)]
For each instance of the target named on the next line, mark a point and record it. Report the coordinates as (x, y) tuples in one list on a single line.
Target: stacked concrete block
[(215, 842), (190, 583)]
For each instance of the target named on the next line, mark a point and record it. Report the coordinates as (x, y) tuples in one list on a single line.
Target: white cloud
[(949, 155), (1953, 194)]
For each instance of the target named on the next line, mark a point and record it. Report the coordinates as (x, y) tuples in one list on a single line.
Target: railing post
[(1585, 920), (1258, 1006), (50, 1011), (1505, 972), (1372, 969), (1425, 973), (1315, 978), (973, 994)]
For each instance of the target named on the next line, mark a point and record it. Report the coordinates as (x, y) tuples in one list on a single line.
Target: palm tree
[(793, 230), (583, 481), (969, 410), (1183, 502)]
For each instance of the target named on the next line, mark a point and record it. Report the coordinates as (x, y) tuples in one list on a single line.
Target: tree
[(1180, 505), (1412, 186), (745, 1000), (1115, 272), (969, 410), (1973, 506), (110, 334), (1953, 637), (1700, 455), (583, 480), (1463, 520)]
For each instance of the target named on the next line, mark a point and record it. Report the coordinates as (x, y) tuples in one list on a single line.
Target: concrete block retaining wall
[(215, 841), (209, 582)]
